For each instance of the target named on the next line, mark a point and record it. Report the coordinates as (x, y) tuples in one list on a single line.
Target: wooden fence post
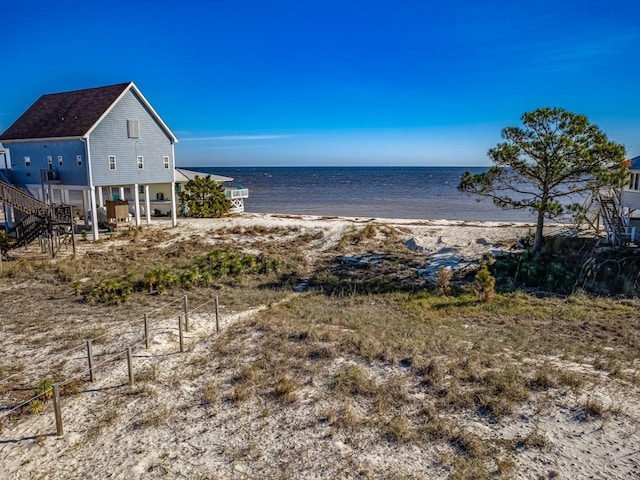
[(146, 331), (186, 313), (180, 334), (90, 358), (217, 315), (57, 410), (130, 366)]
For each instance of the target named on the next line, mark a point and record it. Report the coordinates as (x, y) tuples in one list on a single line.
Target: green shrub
[(219, 264), (484, 284), (190, 277), (203, 197), (160, 279), (111, 291), (36, 406), (443, 280), (45, 388), (566, 264)]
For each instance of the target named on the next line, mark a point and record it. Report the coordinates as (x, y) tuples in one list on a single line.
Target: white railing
[(236, 192)]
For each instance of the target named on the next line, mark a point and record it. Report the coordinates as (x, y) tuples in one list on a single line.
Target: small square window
[(27, 161), (59, 160), (165, 161), (140, 162), (79, 160), (112, 162)]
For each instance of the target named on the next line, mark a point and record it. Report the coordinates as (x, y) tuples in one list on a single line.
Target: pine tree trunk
[(537, 242)]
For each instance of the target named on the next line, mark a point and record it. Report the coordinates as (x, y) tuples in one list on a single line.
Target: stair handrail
[(612, 212), (22, 201)]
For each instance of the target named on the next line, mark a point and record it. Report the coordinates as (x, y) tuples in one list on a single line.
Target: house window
[(50, 162), (635, 181), (140, 162), (112, 162), (79, 160), (165, 161), (59, 160), (133, 129), (27, 161)]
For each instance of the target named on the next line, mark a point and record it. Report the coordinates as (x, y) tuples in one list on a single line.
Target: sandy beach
[(207, 413)]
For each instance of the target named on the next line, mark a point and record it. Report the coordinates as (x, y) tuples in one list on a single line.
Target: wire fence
[(64, 355), (99, 352)]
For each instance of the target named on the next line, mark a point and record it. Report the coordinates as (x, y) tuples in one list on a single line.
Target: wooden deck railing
[(21, 200), (236, 192)]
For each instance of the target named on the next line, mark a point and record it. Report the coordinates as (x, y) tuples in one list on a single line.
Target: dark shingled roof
[(66, 114)]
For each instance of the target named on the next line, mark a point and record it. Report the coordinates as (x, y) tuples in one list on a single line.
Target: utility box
[(117, 212)]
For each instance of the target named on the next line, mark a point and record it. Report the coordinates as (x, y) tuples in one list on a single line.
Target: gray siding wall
[(69, 173), (111, 138)]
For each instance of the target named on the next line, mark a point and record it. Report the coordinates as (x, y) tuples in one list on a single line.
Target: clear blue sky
[(334, 83)]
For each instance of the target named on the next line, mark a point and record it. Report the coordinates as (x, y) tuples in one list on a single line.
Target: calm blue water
[(390, 192)]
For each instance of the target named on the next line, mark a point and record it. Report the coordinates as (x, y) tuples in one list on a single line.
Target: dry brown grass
[(384, 360), (414, 363)]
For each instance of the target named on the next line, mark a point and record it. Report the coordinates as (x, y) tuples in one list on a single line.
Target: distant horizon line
[(332, 166)]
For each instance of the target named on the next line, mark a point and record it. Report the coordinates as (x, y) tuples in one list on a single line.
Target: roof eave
[(44, 139), (185, 173)]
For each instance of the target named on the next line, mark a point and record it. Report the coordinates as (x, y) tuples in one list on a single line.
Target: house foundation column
[(94, 214), (121, 193), (147, 204), (85, 209), (174, 215), (136, 200), (100, 197)]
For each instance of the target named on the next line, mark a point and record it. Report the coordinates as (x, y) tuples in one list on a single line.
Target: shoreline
[(367, 219)]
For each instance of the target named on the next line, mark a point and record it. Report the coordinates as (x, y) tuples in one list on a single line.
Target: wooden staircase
[(39, 219), (605, 208)]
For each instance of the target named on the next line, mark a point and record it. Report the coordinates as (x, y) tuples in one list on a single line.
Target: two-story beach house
[(89, 144)]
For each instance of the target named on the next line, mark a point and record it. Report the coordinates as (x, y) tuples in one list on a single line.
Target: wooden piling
[(217, 314), (146, 331), (90, 359), (180, 334), (58, 410), (186, 313), (130, 366)]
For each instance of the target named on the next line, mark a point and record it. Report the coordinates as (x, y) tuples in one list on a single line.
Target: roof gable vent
[(133, 129)]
